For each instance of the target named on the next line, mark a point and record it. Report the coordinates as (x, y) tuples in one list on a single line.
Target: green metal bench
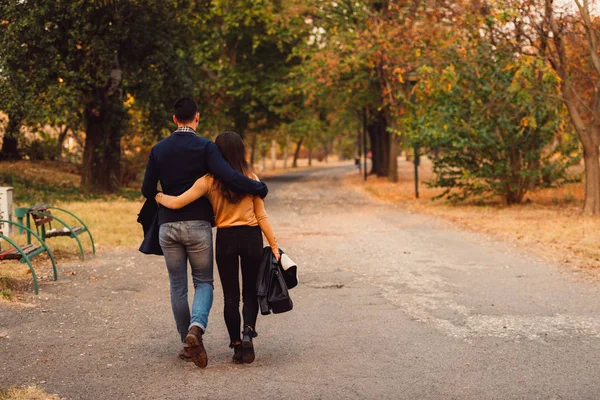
[(25, 253), (42, 216)]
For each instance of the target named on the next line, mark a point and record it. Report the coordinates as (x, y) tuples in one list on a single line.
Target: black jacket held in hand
[(178, 161), (273, 283), (148, 217)]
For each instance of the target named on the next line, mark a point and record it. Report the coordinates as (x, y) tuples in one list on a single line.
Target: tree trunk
[(297, 152), (60, 143), (393, 167), (592, 181), (273, 154), (286, 152), (385, 150), (393, 150), (253, 150), (380, 144), (10, 142), (310, 157), (589, 141), (572, 97), (374, 156), (102, 152)]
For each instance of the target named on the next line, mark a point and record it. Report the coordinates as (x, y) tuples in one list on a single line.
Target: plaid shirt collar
[(185, 129)]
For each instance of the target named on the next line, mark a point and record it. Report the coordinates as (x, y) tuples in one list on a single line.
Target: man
[(185, 234)]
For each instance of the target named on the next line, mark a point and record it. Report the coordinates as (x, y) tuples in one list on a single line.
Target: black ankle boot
[(237, 352), (247, 346)]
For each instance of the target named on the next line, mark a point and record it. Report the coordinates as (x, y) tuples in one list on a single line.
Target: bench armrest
[(3, 221), (71, 214)]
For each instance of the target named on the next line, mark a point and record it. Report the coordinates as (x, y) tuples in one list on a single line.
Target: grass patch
[(6, 294), (113, 224), (47, 182), (27, 393)]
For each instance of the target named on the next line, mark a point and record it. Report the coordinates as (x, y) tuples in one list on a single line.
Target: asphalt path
[(391, 305)]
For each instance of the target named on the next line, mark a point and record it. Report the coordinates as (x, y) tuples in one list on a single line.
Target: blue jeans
[(180, 242)]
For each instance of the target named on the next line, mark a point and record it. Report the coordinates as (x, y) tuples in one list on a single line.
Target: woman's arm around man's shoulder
[(200, 188), (237, 181)]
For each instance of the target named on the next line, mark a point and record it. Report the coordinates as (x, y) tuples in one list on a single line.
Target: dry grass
[(113, 225), (549, 223), (28, 393), (56, 173), (36, 182)]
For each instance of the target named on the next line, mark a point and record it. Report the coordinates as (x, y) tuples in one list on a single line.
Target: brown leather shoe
[(185, 354), (247, 346), (237, 352), (196, 347)]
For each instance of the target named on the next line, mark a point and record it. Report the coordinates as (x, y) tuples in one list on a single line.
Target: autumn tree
[(566, 35), (570, 41), (338, 68)]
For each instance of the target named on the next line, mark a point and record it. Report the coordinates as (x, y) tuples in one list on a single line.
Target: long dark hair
[(234, 152)]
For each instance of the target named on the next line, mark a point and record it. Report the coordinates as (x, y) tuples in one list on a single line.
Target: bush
[(494, 126)]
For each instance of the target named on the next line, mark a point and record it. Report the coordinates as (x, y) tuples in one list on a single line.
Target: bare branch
[(584, 11)]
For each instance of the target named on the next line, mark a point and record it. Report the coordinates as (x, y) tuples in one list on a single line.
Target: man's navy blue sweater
[(178, 161)]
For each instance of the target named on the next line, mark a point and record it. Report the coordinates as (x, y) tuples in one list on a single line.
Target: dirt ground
[(390, 305)]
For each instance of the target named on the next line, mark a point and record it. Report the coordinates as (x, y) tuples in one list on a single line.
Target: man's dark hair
[(185, 109)]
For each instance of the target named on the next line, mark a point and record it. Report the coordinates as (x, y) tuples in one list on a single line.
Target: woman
[(240, 220)]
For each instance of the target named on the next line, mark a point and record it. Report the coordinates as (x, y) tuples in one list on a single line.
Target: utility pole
[(273, 153), (365, 141), (413, 79)]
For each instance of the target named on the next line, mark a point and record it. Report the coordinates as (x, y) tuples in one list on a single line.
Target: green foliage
[(493, 124), (6, 294), (82, 59), (241, 62)]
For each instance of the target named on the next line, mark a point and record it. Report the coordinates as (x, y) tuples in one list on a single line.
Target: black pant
[(233, 244)]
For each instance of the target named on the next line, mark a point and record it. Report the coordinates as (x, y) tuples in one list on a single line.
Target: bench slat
[(13, 253), (41, 219), (63, 231)]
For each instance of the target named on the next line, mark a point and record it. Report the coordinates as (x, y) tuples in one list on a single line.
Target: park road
[(390, 305)]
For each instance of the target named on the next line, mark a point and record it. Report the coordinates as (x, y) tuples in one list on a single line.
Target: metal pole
[(365, 151), (358, 158), (416, 162)]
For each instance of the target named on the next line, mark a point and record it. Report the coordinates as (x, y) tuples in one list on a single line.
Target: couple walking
[(202, 182)]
